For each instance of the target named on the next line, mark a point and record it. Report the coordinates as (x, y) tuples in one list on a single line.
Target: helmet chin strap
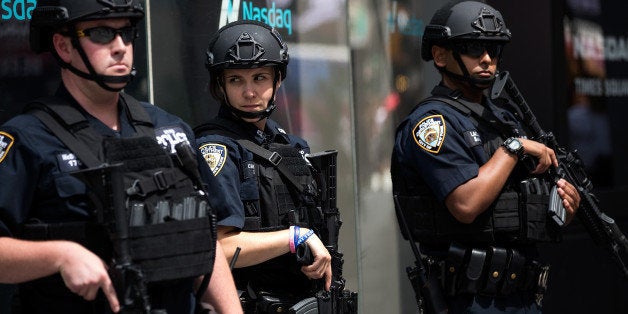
[(474, 82), (101, 80)]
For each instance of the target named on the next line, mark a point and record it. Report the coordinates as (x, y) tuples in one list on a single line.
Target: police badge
[(215, 155), (429, 133), (6, 141)]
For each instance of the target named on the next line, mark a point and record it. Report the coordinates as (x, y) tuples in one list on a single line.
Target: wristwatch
[(513, 146)]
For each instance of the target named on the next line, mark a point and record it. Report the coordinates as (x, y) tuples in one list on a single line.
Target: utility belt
[(491, 271)]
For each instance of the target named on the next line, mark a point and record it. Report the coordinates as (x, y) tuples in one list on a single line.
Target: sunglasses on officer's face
[(476, 49), (104, 35)]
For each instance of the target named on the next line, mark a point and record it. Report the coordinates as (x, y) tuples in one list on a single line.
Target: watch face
[(514, 144)]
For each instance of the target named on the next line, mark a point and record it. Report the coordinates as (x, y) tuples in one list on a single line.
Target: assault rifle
[(337, 300), (427, 290), (600, 226)]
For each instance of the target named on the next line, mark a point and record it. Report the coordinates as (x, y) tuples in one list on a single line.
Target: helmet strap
[(101, 80), (476, 83)]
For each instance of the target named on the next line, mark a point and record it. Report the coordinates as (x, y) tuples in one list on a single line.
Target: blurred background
[(355, 71)]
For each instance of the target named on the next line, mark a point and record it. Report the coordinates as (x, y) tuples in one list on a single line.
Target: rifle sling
[(79, 148), (468, 108), (274, 159)]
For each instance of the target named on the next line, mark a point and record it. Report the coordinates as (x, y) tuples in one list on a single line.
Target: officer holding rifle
[(468, 182)]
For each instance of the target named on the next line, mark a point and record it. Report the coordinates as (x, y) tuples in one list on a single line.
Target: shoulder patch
[(168, 137), (429, 133), (215, 155), (6, 141)]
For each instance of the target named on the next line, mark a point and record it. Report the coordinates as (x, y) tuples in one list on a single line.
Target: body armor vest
[(287, 190), (519, 215), (168, 223), (285, 196)]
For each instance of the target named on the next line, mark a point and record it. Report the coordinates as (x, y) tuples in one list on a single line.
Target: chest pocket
[(282, 201)]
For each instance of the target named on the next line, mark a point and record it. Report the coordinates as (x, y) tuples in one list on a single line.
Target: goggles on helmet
[(476, 49), (104, 35)]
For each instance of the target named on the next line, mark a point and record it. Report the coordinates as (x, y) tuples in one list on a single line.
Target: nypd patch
[(6, 141), (168, 137), (215, 155), (429, 133)]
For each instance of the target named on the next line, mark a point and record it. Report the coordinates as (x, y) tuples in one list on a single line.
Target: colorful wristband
[(294, 236), (303, 238), (291, 239)]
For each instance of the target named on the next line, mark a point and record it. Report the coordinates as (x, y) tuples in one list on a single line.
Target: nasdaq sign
[(274, 16)]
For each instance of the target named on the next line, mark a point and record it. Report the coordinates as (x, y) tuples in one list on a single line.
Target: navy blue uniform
[(437, 149), (233, 165), (36, 166), (240, 173)]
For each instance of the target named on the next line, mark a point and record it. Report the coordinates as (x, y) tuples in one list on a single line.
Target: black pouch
[(495, 272), (453, 268), (174, 249), (514, 273), (471, 281)]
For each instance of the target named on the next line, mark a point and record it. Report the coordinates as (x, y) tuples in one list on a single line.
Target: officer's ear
[(278, 79), (440, 55), (63, 46)]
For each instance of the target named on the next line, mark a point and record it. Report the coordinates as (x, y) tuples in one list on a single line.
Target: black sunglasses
[(104, 35), (476, 49)]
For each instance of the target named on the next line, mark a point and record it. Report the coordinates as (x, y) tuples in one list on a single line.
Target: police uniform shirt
[(441, 145), (35, 166), (233, 164)]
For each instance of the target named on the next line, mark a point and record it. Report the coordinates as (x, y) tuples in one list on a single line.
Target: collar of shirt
[(126, 129), (272, 133)]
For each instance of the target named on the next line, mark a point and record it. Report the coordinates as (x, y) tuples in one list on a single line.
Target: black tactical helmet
[(463, 20), (242, 45), (51, 15)]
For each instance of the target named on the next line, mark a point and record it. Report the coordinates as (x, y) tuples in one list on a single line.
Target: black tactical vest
[(166, 215), (285, 195), (286, 187), (518, 216)]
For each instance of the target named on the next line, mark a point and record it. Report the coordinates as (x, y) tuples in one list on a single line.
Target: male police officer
[(459, 176), (93, 43)]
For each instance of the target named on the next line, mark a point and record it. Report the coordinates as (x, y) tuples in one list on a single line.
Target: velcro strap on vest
[(506, 216), (160, 181)]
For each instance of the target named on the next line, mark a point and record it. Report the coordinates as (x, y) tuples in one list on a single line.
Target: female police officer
[(40, 199), (247, 61), (459, 177)]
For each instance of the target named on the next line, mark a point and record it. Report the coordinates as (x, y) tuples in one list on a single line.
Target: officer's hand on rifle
[(544, 155), (571, 198), (84, 273), (322, 261)]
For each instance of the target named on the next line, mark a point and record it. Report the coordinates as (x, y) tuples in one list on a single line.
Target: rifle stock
[(600, 226)]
